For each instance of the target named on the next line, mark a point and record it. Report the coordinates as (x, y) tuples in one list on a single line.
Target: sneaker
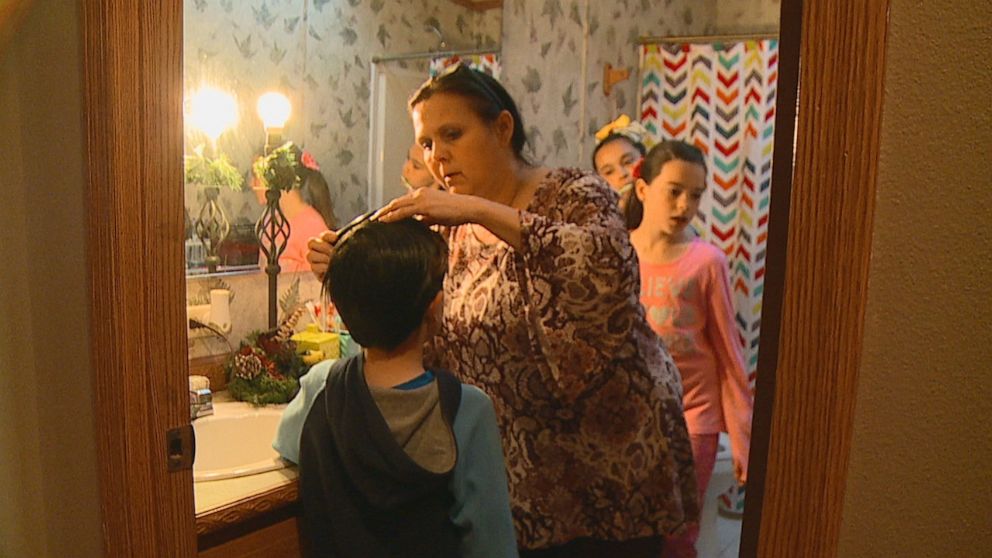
[(730, 504)]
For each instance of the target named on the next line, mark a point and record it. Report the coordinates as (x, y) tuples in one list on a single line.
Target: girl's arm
[(735, 392)]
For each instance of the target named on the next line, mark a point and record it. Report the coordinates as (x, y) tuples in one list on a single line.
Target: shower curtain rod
[(707, 38), (414, 55)]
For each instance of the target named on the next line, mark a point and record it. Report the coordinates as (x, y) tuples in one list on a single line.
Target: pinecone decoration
[(288, 325), (247, 367)]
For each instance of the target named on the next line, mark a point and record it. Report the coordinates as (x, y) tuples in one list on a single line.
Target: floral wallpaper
[(543, 46), (317, 52)]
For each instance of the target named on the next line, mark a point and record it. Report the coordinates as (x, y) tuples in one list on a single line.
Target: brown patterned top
[(588, 400)]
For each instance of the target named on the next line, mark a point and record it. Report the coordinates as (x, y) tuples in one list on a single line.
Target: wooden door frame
[(813, 308), (816, 285), (132, 63)]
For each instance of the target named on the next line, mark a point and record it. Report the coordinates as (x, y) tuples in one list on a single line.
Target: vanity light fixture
[(212, 112), (274, 109)]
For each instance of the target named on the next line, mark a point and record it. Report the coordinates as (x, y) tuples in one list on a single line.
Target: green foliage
[(218, 171), (264, 370), (277, 170), (263, 390)]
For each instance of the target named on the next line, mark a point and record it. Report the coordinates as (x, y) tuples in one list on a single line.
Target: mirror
[(703, 72)]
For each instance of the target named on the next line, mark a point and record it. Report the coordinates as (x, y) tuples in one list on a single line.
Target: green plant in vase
[(211, 174)]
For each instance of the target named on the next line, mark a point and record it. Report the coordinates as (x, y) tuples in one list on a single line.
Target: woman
[(542, 312)]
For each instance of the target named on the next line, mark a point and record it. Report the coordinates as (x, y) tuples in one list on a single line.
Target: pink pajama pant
[(704, 449)]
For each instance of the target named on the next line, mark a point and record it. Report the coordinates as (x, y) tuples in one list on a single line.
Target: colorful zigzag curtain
[(488, 63), (721, 98)]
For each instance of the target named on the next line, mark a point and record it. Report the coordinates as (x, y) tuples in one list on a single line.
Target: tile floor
[(719, 536)]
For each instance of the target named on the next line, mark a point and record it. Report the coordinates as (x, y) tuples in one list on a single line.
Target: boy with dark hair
[(395, 460)]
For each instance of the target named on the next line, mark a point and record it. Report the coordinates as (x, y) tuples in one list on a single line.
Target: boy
[(395, 460)]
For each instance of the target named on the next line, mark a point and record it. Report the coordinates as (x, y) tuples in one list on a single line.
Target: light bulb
[(274, 110), (212, 111)]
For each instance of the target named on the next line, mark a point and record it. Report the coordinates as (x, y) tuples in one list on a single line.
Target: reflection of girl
[(415, 172), (542, 312), (619, 146), (307, 207), (686, 293)]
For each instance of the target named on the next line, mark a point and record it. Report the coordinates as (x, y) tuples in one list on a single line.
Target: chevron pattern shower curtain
[(487, 63), (721, 98)]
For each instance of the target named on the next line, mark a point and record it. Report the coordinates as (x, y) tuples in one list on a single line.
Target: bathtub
[(236, 441)]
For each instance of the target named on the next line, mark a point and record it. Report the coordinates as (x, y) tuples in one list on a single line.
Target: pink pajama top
[(304, 225), (688, 304)]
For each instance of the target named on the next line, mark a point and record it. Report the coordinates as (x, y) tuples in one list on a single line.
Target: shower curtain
[(488, 63), (721, 98)]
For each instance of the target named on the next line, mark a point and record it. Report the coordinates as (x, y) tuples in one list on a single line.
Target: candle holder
[(212, 227), (272, 230), (277, 170)]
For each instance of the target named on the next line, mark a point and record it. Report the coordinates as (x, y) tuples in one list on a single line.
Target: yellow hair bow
[(622, 126)]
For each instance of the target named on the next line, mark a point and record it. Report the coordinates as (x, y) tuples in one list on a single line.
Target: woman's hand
[(434, 207), (319, 249)]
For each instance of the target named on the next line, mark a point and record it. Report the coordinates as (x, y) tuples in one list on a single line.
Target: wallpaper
[(544, 42), (317, 52)]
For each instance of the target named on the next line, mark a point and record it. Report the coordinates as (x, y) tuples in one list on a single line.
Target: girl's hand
[(319, 252), (434, 207), (739, 474)]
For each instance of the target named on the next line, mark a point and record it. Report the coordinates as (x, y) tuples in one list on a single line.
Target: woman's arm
[(581, 282), (438, 207)]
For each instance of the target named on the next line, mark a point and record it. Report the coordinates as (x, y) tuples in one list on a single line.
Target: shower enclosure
[(390, 133)]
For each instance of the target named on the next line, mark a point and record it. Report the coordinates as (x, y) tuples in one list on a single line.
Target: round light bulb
[(212, 111), (274, 109)]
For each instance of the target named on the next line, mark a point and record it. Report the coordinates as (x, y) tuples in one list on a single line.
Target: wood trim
[(132, 58), (248, 508), (821, 276), (279, 538)]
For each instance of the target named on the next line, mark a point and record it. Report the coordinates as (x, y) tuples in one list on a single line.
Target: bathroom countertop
[(211, 495), (225, 502)]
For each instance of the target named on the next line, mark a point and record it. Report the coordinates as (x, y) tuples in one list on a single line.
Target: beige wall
[(49, 501), (919, 481)]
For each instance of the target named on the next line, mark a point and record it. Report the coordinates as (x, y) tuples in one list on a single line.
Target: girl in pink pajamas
[(685, 291)]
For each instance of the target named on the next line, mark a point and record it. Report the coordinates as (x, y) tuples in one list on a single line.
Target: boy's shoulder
[(475, 405)]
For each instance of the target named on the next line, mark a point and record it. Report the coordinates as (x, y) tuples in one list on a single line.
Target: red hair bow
[(636, 170), (309, 162)]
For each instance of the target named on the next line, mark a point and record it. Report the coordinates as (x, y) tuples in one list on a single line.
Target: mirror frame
[(816, 279)]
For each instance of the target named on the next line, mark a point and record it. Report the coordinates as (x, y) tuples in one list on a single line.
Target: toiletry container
[(313, 340)]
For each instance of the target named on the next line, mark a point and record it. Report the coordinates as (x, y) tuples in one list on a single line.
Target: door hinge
[(180, 446)]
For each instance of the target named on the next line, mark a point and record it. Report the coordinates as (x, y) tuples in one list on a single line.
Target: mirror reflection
[(674, 108)]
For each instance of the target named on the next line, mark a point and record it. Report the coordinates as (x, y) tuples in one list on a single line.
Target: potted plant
[(211, 173)]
